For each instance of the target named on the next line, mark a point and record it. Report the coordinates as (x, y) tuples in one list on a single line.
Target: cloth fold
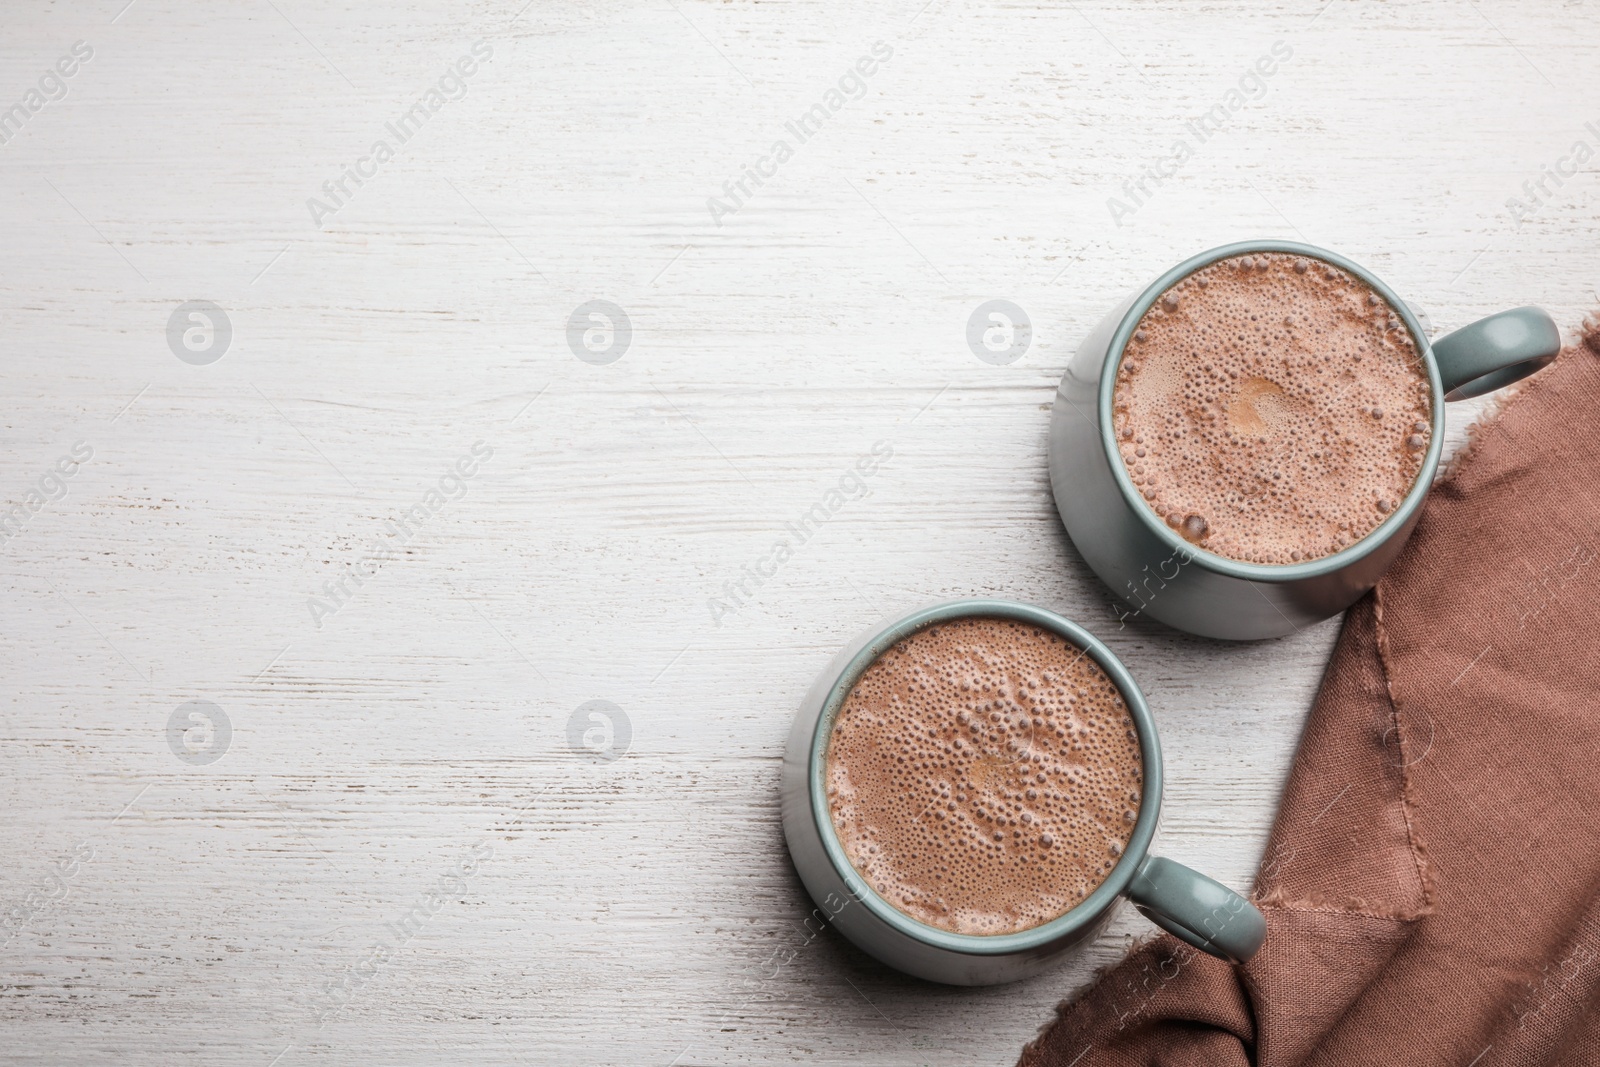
[(1432, 881)]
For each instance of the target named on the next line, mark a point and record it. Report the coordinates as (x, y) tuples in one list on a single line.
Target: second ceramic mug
[(1158, 573), (1185, 903)]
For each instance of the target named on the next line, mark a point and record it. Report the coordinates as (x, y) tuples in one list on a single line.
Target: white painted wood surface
[(640, 910)]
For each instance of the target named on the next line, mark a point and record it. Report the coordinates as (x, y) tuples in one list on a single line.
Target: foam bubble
[(984, 775)]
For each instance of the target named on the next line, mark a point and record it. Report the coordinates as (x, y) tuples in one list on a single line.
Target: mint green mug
[(1154, 569), (1187, 904)]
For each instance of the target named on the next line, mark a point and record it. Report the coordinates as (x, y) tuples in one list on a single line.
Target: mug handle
[(1496, 351), (1197, 909)]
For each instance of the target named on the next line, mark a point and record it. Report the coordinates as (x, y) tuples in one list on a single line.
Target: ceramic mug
[(1160, 574), (1202, 912)]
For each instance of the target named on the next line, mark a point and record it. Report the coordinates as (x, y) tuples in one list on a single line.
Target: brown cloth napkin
[(1431, 883)]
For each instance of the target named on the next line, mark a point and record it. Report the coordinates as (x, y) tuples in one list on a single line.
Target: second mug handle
[(1197, 909), (1496, 351)]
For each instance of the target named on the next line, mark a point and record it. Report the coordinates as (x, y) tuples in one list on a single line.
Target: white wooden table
[(260, 894)]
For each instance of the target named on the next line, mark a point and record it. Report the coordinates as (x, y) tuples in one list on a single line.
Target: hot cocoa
[(984, 775), (1272, 408)]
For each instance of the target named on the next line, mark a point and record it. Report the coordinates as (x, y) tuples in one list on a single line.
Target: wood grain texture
[(640, 910)]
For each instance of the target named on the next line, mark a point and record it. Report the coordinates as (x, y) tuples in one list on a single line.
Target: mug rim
[(1080, 915), (1375, 538)]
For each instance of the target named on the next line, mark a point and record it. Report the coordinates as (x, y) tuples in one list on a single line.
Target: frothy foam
[(984, 775), (1272, 408)]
